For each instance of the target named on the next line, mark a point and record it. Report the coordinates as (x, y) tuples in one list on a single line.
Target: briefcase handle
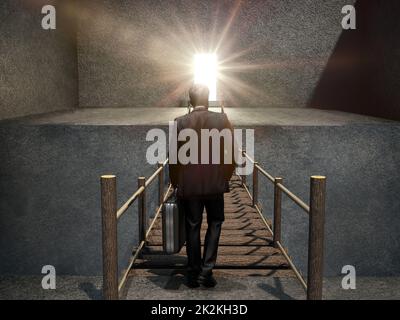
[(173, 196)]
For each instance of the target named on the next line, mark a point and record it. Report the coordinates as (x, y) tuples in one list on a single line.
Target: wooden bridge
[(245, 242), (247, 245)]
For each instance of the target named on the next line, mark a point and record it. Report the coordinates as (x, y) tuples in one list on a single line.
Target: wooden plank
[(223, 250), (230, 233), (231, 219), (243, 223), (238, 220), (234, 216), (239, 200), (238, 210), (245, 247), (224, 241), (232, 207), (224, 261), (275, 273), (239, 215), (250, 224)]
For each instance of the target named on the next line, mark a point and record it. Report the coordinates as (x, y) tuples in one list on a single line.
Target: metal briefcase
[(173, 226)]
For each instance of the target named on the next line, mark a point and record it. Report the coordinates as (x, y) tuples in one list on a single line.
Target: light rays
[(158, 47), (205, 72)]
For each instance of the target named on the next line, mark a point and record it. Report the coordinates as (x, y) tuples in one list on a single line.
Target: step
[(223, 261), (228, 232), (231, 215), (223, 250), (229, 273), (225, 240), (236, 224)]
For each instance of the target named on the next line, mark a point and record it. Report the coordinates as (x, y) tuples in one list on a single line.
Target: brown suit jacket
[(203, 180)]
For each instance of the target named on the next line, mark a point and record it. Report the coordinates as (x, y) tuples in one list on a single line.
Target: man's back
[(202, 118), (204, 179), (201, 175)]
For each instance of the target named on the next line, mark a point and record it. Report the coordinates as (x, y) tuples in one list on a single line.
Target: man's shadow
[(176, 279), (276, 290), (92, 292)]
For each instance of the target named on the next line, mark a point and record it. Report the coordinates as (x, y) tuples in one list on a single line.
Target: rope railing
[(130, 201), (156, 173), (141, 245), (316, 213), (295, 199), (277, 243), (265, 173), (110, 217)]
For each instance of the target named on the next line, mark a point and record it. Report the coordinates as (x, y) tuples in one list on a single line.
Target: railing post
[(160, 185), (255, 184), (244, 176), (316, 237), (277, 211), (142, 209), (109, 235)]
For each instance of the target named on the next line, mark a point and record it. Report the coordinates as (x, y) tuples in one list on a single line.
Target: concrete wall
[(361, 165), (362, 73), (50, 196), (38, 67), (139, 52)]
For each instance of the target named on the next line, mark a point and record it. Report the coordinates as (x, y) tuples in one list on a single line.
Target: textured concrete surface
[(361, 74), (38, 67), (173, 288), (160, 116), (50, 204), (140, 53), (362, 166), (258, 288), (50, 195)]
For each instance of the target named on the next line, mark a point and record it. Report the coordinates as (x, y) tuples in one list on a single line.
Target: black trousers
[(193, 209)]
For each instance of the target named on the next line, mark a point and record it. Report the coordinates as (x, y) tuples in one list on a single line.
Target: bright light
[(205, 72)]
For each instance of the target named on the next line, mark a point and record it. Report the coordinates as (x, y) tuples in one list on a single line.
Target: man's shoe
[(208, 281), (192, 281)]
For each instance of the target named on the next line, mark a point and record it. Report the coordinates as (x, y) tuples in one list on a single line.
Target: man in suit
[(202, 185)]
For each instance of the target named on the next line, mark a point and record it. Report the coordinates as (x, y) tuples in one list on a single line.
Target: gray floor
[(161, 116), (166, 287)]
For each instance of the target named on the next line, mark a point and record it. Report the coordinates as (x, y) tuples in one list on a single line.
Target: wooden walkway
[(245, 244)]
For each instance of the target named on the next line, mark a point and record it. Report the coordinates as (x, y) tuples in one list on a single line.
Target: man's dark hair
[(198, 95)]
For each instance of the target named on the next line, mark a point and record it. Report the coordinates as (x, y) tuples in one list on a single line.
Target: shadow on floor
[(277, 290), (361, 74), (176, 279), (92, 292)]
